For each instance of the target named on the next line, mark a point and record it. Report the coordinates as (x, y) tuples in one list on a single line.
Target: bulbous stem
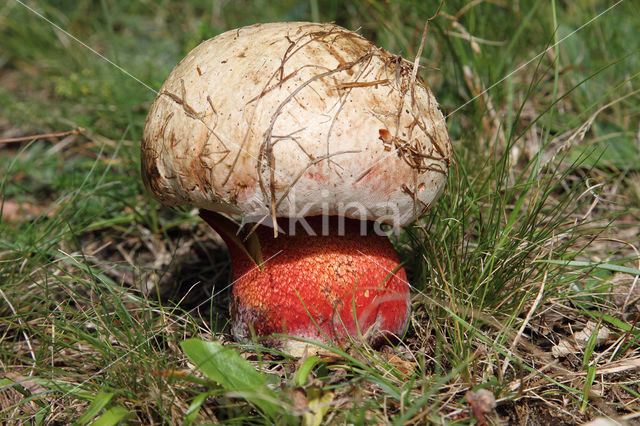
[(344, 282)]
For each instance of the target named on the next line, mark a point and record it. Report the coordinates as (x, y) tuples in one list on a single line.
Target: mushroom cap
[(292, 120)]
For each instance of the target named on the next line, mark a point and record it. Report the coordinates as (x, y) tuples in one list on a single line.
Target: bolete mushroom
[(310, 133)]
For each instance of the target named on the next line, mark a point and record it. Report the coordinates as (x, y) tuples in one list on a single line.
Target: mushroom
[(312, 136)]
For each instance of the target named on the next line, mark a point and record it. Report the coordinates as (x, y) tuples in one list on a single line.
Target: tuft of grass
[(115, 308)]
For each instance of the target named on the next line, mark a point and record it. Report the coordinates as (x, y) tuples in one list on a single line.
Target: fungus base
[(345, 284)]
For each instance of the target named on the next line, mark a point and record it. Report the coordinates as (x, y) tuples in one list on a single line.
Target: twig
[(416, 63), (76, 131)]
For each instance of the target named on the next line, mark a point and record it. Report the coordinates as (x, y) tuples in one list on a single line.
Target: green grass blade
[(194, 407), (305, 369), (112, 416), (591, 374), (581, 264), (99, 402)]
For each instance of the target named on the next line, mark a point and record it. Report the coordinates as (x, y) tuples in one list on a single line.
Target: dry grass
[(100, 285)]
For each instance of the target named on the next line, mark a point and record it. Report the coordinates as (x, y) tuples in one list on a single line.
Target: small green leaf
[(230, 231), (223, 365), (112, 416), (99, 402), (235, 374)]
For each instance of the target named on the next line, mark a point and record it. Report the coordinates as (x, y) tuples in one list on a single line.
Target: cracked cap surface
[(296, 119)]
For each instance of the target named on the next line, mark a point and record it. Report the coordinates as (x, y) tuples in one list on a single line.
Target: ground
[(525, 292)]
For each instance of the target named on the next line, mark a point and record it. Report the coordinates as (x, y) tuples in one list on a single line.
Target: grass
[(534, 241)]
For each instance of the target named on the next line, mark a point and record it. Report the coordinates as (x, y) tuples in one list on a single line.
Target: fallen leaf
[(12, 211), (28, 384), (603, 421), (299, 400), (625, 289), (616, 366), (578, 341), (406, 367)]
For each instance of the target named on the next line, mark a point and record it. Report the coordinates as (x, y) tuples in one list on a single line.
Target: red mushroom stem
[(326, 287)]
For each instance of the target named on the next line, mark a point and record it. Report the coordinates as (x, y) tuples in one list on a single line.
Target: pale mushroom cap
[(296, 119)]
